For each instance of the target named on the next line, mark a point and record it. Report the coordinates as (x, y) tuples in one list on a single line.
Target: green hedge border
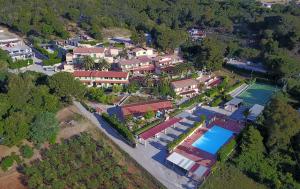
[(120, 128), (172, 145)]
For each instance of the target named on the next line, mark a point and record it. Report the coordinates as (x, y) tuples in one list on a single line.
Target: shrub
[(26, 151), (149, 114), (192, 101), (6, 163), (51, 62), (147, 126), (216, 102), (183, 136), (90, 109), (121, 128), (225, 150)]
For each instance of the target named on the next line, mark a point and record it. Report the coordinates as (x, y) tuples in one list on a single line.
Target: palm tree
[(88, 63), (148, 80), (103, 65)]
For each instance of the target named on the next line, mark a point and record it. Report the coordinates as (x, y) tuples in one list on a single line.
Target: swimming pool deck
[(199, 156)]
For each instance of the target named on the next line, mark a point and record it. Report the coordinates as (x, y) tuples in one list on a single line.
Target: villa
[(165, 63), (102, 78), (142, 52), (139, 109), (185, 87), (140, 64), (19, 52)]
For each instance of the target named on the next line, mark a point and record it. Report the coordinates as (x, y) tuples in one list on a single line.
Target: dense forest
[(241, 28), (28, 105), (269, 151)]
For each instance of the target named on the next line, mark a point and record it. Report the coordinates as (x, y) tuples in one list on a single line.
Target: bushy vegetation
[(26, 151), (24, 98), (120, 127), (228, 176), (216, 102), (183, 136), (268, 153), (78, 162), (6, 163), (52, 58), (20, 63), (99, 95), (224, 152), (147, 126)]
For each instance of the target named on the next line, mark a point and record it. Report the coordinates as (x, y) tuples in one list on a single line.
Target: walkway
[(150, 157)]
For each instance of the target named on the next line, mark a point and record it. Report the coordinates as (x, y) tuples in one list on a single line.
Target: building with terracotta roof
[(96, 53), (140, 64), (164, 63), (185, 87), (142, 52), (102, 78), (140, 109)]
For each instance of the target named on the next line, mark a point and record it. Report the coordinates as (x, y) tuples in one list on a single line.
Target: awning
[(181, 161)]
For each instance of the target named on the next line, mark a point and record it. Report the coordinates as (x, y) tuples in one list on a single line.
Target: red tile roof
[(100, 74), (141, 108), (142, 59), (184, 83), (159, 128), (84, 50)]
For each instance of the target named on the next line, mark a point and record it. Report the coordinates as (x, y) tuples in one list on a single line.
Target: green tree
[(65, 86), (26, 151), (6, 163), (281, 122), (211, 55), (149, 114), (14, 129), (44, 128), (88, 63)]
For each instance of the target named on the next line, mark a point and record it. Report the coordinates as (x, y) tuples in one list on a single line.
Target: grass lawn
[(229, 176)]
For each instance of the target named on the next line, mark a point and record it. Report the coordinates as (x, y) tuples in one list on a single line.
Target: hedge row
[(20, 63), (121, 128), (234, 86), (225, 150), (183, 136), (147, 126), (89, 108), (51, 62)]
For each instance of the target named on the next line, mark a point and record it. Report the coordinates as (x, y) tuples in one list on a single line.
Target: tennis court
[(257, 93), (213, 139)]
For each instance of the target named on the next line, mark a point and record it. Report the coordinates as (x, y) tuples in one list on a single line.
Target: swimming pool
[(213, 139), (257, 93)]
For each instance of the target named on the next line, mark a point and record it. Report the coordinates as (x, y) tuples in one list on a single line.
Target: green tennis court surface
[(257, 93)]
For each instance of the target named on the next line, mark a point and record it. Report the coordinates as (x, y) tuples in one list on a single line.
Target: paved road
[(151, 157)]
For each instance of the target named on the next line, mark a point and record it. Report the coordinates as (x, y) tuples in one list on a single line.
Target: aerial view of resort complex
[(150, 94)]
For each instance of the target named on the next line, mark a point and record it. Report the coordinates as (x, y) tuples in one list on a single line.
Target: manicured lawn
[(229, 176)]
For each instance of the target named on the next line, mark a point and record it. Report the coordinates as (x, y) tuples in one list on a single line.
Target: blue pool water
[(213, 139)]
